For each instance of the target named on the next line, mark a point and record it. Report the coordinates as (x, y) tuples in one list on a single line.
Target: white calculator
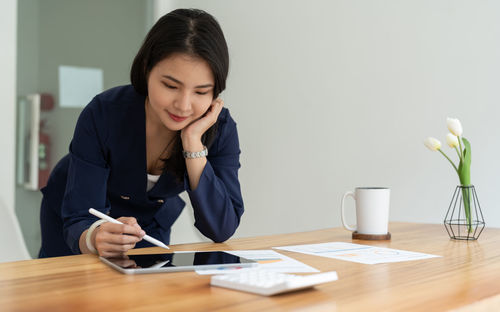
[(268, 283)]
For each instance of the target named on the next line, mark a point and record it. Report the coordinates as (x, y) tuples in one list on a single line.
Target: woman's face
[(180, 90)]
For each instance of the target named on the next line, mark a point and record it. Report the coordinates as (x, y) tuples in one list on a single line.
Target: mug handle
[(344, 223)]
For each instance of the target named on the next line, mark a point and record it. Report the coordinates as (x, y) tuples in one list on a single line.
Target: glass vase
[(464, 219)]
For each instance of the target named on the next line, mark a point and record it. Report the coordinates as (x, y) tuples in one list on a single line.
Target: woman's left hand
[(193, 132)]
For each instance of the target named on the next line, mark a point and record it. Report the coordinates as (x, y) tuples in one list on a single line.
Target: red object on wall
[(46, 104), (43, 157)]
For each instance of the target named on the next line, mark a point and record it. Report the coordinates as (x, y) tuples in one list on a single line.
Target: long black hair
[(188, 31)]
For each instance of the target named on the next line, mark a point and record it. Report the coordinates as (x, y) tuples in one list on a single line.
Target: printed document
[(357, 253)]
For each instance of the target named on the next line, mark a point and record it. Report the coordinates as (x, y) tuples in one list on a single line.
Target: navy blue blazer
[(106, 169)]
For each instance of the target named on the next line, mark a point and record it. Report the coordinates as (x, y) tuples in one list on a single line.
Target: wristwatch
[(190, 155)]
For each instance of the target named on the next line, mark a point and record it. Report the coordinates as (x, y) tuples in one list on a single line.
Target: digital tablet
[(177, 262)]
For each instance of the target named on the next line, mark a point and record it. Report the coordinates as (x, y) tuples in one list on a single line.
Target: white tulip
[(451, 140), (454, 126), (432, 143)]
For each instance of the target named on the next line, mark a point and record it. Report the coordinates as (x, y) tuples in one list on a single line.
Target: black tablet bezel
[(244, 262)]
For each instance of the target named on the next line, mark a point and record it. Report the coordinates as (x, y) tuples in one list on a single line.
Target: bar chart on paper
[(357, 253)]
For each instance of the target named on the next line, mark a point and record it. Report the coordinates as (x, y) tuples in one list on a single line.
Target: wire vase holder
[(464, 219)]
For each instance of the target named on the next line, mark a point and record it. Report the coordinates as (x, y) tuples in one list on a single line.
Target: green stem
[(466, 196), (461, 150), (458, 153), (464, 175), (456, 169)]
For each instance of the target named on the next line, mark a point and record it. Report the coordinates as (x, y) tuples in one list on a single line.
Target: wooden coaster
[(356, 235)]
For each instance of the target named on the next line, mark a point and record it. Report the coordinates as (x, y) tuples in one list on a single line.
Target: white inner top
[(152, 179)]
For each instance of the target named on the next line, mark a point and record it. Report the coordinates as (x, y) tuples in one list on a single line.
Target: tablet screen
[(179, 259)]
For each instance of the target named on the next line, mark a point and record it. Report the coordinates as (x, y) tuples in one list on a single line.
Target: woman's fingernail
[(143, 233)]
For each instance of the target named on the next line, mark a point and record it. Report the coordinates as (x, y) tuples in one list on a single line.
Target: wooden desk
[(467, 273)]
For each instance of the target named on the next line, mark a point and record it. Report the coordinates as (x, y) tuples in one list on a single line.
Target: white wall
[(330, 95), (8, 26), (12, 246)]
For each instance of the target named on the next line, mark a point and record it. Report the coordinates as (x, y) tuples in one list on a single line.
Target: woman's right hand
[(114, 240)]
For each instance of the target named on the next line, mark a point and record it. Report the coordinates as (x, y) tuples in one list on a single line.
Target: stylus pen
[(159, 264), (146, 237)]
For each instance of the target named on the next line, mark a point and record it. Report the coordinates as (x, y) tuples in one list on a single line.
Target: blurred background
[(327, 95)]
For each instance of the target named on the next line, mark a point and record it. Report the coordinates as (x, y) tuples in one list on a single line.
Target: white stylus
[(146, 237)]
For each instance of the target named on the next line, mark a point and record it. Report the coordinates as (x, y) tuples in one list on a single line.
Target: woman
[(136, 147)]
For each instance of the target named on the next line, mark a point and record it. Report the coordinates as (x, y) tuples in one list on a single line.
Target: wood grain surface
[(467, 274)]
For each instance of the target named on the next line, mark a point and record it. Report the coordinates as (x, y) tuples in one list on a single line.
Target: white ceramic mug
[(372, 210)]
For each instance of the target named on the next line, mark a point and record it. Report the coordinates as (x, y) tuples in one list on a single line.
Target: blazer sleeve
[(217, 201), (87, 175)]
